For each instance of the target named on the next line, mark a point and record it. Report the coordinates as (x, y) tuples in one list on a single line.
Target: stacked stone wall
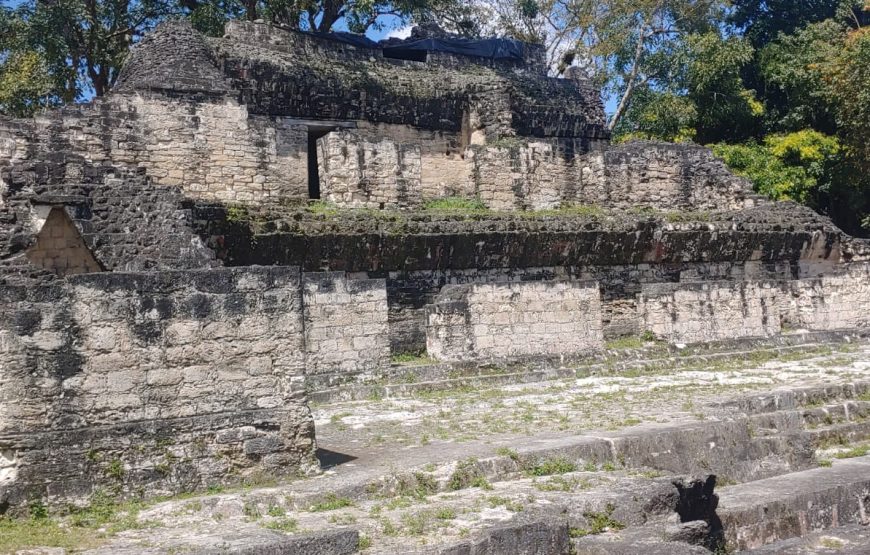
[(358, 173), (346, 323), (152, 383), (514, 320), (709, 311), (832, 302), (664, 176)]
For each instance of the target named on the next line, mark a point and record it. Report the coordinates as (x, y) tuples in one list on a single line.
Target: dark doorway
[(314, 133)]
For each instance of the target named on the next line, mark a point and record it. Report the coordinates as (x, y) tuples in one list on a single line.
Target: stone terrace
[(508, 465)]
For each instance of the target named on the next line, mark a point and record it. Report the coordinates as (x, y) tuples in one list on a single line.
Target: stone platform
[(729, 449)]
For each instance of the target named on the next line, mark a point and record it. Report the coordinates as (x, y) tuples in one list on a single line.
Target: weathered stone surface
[(830, 302), (170, 380), (346, 325), (789, 506), (702, 312), (514, 319)]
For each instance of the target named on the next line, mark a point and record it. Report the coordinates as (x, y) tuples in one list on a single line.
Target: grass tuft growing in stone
[(456, 204), (599, 522), (415, 358), (287, 525), (331, 503), (468, 475), (548, 467), (859, 451)]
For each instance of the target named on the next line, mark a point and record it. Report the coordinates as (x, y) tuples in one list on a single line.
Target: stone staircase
[(782, 469)]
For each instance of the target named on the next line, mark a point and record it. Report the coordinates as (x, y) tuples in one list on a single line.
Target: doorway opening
[(314, 133)]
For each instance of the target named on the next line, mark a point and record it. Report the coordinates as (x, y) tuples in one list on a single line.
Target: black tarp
[(493, 49), (360, 41)]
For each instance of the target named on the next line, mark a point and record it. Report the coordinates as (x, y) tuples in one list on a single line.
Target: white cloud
[(400, 33)]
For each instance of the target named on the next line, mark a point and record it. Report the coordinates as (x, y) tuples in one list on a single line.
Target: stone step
[(755, 514), (847, 540), (800, 397), (405, 380)]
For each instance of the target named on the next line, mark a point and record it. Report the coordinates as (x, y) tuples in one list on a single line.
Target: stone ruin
[(248, 219)]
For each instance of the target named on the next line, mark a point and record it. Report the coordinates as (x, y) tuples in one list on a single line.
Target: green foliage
[(796, 96), (791, 166), (598, 522), (468, 475), (847, 80), (456, 205), (658, 115), (548, 467), (26, 84), (412, 358), (287, 525), (331, 503)]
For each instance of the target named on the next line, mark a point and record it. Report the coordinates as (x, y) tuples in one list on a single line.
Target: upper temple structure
[(249, 220)]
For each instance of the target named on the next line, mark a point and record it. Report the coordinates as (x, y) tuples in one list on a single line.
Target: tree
[(80, 44), (847, 79), (313, 15), (794, 92), (627, 45), (762, 21), (703, 99)]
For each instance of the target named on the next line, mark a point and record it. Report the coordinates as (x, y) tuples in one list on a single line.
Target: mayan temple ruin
[(289, 293)]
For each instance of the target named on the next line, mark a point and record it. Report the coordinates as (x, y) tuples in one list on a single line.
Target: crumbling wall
[(215, 150), (502, 320), (346, 327), (709, 311), (664, 176), (831, 302), (127, 221), (528, 176), (163, 382), (307, 76)]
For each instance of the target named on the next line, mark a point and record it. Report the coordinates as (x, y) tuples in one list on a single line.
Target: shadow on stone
[(329, 459)]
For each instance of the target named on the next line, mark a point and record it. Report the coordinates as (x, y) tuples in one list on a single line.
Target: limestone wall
[(830, 302), (531, 176), (171, 381), (661, 175), (500, 320), (709, 311), (359, 173), (212, 149), (346, 328), (216, 150)]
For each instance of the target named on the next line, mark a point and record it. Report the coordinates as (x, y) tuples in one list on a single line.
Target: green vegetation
[(415, 358), (548, 467), (468, 475), (287, 525), (560, 483), (237, 213), (79, 529), (459, 205), (598, 522), (365, 542), (331, 503), (508, 452), (495, 501), (858, 451), (322, 208)]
